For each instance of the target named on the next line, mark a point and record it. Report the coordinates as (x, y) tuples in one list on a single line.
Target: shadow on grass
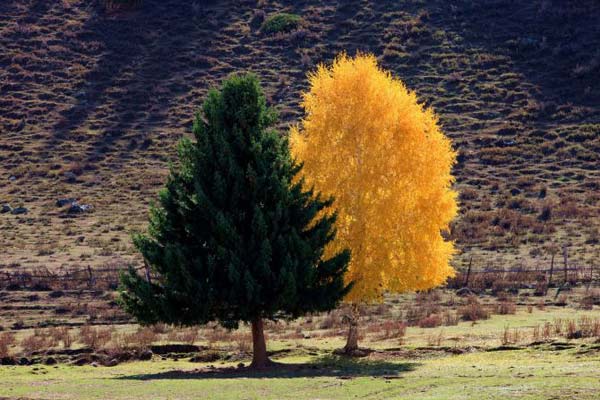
[(326, 366)]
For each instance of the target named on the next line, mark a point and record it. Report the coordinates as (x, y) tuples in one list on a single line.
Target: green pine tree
[(235, 237)]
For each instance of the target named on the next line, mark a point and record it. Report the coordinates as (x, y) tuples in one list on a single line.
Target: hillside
[(93, 103)]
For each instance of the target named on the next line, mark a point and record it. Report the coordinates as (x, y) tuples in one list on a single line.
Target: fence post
[(468, 272), (565, 257), (551, 270), (591, 275), (91, 277)]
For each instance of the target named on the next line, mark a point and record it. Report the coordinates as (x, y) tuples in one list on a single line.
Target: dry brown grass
[(62, 334), (473, 310), (93, 134), (505, 308), (95, 337), (7, 339)]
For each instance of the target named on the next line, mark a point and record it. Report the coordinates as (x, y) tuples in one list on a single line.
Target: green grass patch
[(520, 374), (281, 22)]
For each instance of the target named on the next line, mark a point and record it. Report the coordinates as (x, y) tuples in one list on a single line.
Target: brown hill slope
[(92, 104)]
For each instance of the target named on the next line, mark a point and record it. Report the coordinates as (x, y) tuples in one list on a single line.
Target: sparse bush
[(541, 305), (505, 308), (330, 321), (160, 328), (541, 287), (55, 294), (473, 310), (450, 318), (244, 343), (593, 236), (393, 329), (258, 17), (120, 4), (217, 334), (535, 334), (428, 296), (7, 339), (420, 311), (62, 335), (35, 342), (435, 340), (431, 321), (572, 332), (510, 336), (188, 336), (547, 331), (546, 212), (19, 324), (282, 22), (586, 302), (468, 194), (500, 287), (561, 301), (93, 337), (558, 326), (589, 327), (142, 338)]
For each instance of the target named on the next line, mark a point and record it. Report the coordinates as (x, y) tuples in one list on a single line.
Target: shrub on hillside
[(393, 329), (93, 337), (35, 342), (431, 321), (282, 22), (120, 4), (473, 310), (7, 339), (61, 334), (546, 212), (506, 307), (141, 339)]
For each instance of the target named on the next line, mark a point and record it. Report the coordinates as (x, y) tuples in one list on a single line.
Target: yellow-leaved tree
[(367, 141)]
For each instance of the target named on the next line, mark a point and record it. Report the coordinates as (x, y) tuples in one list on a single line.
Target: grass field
[(532, 352), (536, 373)]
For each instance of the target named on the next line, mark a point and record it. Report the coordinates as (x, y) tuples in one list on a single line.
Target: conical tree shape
[(235, 237)]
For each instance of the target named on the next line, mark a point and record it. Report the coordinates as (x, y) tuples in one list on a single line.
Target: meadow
[(434, 345)]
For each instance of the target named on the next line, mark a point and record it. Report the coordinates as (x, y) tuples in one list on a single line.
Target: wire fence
[(497, 279), (106, 278)]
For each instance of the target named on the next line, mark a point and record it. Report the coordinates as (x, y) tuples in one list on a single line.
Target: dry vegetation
[(432, 320), (96, 100)]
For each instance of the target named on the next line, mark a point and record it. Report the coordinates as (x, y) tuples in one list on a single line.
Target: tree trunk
[(352, 340), (260, 359)]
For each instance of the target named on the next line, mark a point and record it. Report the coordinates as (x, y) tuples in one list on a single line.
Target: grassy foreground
[(533, 373)]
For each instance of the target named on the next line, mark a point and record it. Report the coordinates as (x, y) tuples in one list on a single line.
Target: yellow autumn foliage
[(367, 141)]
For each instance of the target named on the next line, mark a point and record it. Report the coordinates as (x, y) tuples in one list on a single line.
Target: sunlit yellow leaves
[(367, 141)]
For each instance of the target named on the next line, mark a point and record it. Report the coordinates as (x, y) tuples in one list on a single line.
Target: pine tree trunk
[(352, 340), (260, 359)]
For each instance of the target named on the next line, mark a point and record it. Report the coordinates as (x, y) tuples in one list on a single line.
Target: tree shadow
[(325, 366), (36, 10), (145, 58), (547, 42)]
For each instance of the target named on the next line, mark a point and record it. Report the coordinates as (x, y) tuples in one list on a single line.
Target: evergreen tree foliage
[(235, 236)]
